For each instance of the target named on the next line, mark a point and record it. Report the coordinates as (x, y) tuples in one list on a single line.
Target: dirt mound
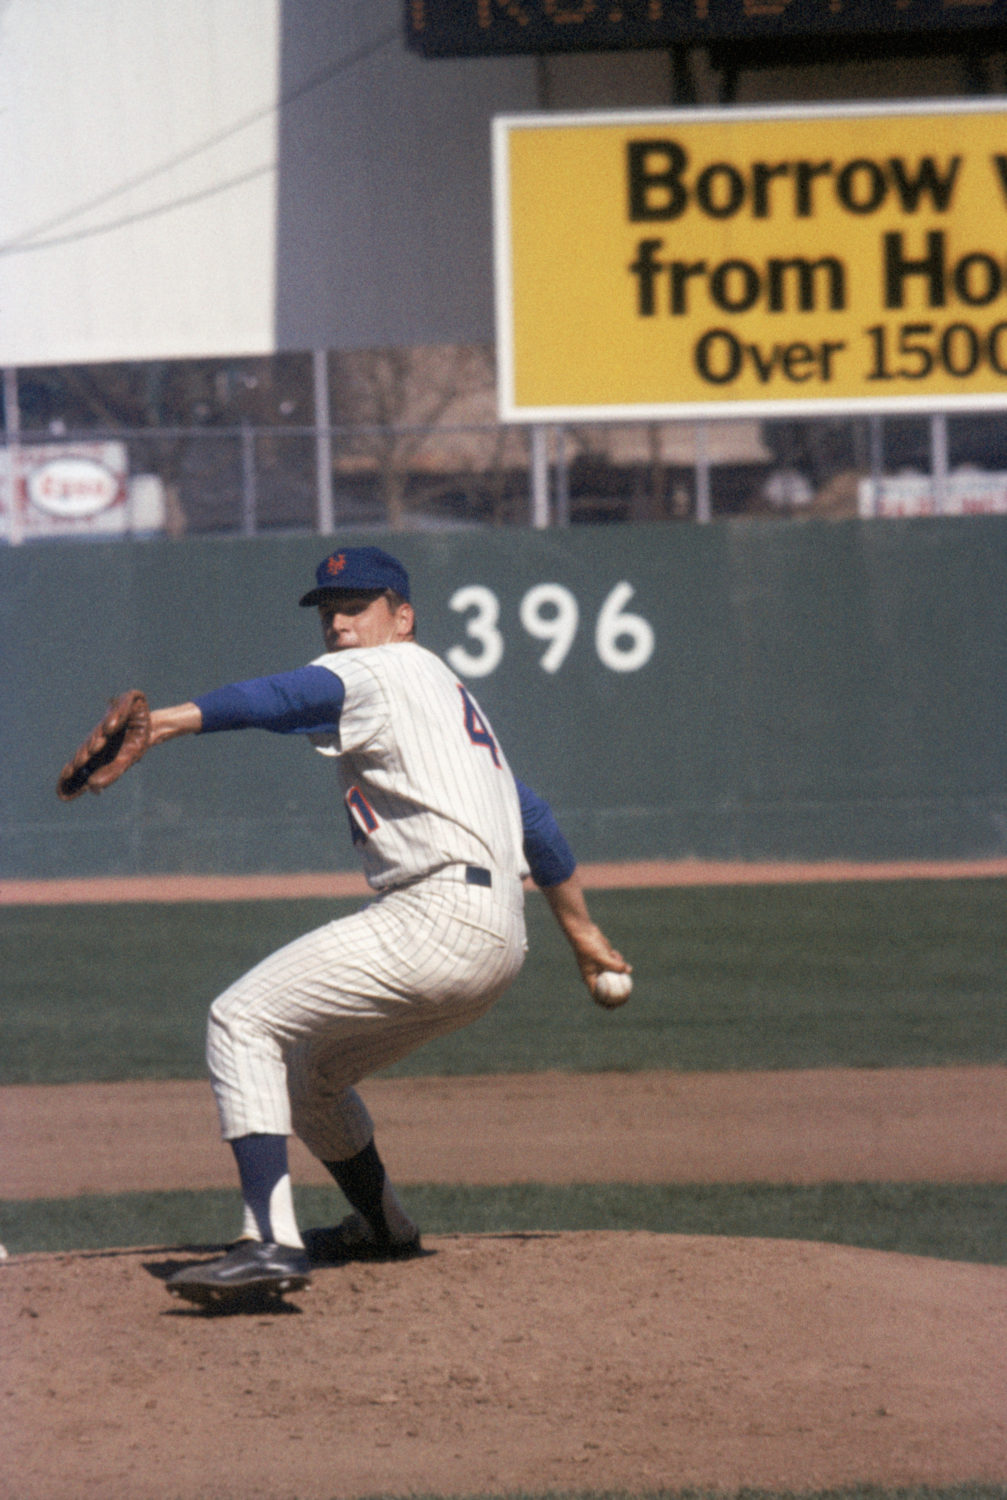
[(504, 1362)]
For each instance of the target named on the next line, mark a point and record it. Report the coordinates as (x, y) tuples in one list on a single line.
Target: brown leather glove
[(112, 747)]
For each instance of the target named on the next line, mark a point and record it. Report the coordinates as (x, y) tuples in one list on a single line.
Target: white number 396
[(549, 612)]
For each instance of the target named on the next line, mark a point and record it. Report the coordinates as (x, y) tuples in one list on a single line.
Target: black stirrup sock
[(362, 1179)]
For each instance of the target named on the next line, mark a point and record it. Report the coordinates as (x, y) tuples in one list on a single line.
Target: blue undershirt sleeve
[(550, 858), (305, 701)]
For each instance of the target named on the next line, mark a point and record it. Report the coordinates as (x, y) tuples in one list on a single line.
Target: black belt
[(476, 875)]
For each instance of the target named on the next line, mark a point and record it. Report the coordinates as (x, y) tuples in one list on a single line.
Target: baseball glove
[(112, 747)]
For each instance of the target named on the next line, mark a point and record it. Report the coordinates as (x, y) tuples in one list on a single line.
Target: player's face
[(363, 620)]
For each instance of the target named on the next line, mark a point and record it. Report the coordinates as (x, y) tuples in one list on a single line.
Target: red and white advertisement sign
[(65, 489), (962, 494)]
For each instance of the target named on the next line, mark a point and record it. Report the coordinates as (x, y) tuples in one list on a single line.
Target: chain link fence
[(254, 479)]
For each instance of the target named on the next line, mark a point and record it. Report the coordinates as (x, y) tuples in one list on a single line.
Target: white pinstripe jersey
[(424, 779)]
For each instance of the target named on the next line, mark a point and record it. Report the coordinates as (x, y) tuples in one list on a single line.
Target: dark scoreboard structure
[(484, 28)]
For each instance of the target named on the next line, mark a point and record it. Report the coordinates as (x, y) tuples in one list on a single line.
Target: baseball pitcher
[(446, 835)]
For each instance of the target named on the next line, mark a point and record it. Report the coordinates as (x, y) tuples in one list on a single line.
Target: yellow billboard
[(719, 262)]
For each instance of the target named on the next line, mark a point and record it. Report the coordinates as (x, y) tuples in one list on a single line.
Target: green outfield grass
[(949, 1221), (861, 974)]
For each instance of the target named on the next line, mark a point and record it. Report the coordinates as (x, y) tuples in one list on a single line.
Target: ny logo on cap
[(335, 565)]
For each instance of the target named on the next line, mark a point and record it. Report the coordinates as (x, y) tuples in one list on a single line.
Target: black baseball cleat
[(354, 1239), (250, 1268)]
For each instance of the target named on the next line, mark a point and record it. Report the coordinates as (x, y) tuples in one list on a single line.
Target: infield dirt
[(820, 1125)]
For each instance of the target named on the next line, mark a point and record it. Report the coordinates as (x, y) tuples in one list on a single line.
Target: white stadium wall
[(219, 177), (139, 218)]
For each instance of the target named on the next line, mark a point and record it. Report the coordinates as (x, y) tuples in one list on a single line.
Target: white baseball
[(3, 1252), (611, 987)]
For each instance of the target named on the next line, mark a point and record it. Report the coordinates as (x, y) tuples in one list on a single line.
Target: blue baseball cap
[(355, 569)]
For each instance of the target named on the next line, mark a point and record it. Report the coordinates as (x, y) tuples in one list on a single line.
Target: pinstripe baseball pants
[(287, 1042)]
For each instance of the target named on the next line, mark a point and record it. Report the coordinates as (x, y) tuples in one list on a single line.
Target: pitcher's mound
[(508, 1362)]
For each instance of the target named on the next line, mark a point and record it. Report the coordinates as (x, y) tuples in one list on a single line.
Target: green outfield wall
[(747, 689)]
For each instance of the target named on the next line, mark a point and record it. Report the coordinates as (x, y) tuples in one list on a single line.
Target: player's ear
[(405, 622)]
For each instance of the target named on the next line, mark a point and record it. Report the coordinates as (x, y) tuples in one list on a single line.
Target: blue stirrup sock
[(266, 1188)]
